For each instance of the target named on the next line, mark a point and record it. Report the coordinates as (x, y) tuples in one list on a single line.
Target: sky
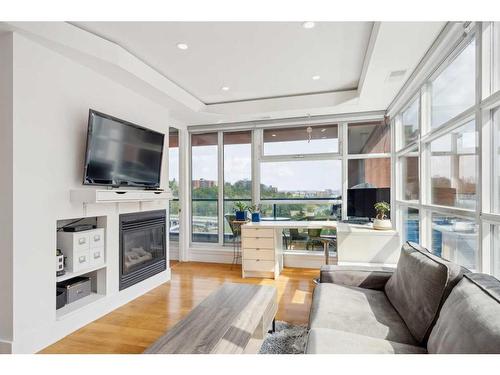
[(286, 176)]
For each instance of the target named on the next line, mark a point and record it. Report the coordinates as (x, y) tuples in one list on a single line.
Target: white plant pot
[(384, 224)]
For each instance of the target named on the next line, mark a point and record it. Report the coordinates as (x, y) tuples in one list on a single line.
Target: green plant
[(254, 208), (382, 209), (240, 206)]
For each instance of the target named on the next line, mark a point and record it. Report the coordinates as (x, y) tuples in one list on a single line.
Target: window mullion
[(343, 150), (220, 184)]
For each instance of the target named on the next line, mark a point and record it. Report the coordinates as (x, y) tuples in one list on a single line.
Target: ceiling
[(254, 60), (267, 66)]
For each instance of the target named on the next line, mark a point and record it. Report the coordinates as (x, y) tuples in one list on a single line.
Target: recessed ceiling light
[(274, 135), (308, 24), (224, 88), (316, 77), (182, 46)]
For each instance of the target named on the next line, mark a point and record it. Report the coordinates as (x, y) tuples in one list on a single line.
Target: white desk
[(262, 245), (361, 244)]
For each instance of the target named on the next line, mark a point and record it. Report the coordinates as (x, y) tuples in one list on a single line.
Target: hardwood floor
[(135, 326)]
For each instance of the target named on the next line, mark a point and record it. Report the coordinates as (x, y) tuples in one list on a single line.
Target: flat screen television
[(361, 201), (120, 153)]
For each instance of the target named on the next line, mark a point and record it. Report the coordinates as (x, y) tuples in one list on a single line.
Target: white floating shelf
[(118, 195), (73, 307), (70, 275)]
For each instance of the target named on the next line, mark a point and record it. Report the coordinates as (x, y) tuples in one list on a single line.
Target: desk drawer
[(258, 265), (258, 243), (261, 254), (257, 232)]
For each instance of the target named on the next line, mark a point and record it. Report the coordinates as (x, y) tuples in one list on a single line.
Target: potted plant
[(255, 211), (240, 211), (381, 221)]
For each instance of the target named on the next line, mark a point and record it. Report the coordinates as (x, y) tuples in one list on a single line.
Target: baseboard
[(211, 255), (218, 255)]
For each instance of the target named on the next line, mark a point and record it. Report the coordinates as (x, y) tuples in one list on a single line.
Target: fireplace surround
[(142, 246)]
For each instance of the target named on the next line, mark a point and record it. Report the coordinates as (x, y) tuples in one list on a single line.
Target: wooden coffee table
[(233, 319)]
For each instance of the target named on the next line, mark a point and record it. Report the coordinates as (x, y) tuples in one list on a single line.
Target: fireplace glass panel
[(142, 247)]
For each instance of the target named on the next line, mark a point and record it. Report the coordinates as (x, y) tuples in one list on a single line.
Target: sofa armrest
[(360, 276)]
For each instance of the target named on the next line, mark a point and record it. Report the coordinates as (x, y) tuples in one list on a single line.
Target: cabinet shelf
[(70, 275), (73, 307)]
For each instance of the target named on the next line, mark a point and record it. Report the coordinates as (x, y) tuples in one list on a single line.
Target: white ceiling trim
[(292, 122), (368, 55), (93, 51)]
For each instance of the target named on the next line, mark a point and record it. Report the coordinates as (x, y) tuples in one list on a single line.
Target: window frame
[(488, 137), (258, 158), (291, 157)]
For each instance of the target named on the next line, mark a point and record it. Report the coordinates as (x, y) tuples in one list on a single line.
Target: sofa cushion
[(332, 341), (357, 310), (362, 276), (419, 286), (469, 321)]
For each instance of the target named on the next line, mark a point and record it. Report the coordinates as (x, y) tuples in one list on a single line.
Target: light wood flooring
[(135, 326)]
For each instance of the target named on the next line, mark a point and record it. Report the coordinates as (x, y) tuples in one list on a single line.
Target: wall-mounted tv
[(120, 153)]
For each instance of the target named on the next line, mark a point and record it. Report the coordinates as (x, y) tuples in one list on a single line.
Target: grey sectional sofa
[(425, 305)]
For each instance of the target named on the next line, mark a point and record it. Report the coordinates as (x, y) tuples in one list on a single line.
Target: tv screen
[(361, 201), (120, 153)]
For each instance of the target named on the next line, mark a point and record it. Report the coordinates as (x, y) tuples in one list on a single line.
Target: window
[(173, 184), (411, 123), (411, 222), (453, 91), (453, 168), (301, 211), (322, 139), (369, 181), (237, 174), (204, 192), (455, 239), (369, 138), (410, 175), (309, 179)]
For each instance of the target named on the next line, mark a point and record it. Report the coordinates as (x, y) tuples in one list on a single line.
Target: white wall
[(6, 169), (52, 96)]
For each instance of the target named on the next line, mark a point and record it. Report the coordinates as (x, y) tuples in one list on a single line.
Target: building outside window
[(453, 168), (410, 123), (410, 182), (369, 138), (369, 181)]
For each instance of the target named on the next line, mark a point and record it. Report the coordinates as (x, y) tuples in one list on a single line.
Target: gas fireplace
[(142, 246)]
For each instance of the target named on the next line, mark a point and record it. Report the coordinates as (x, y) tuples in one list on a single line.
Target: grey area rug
[(288, 339)]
